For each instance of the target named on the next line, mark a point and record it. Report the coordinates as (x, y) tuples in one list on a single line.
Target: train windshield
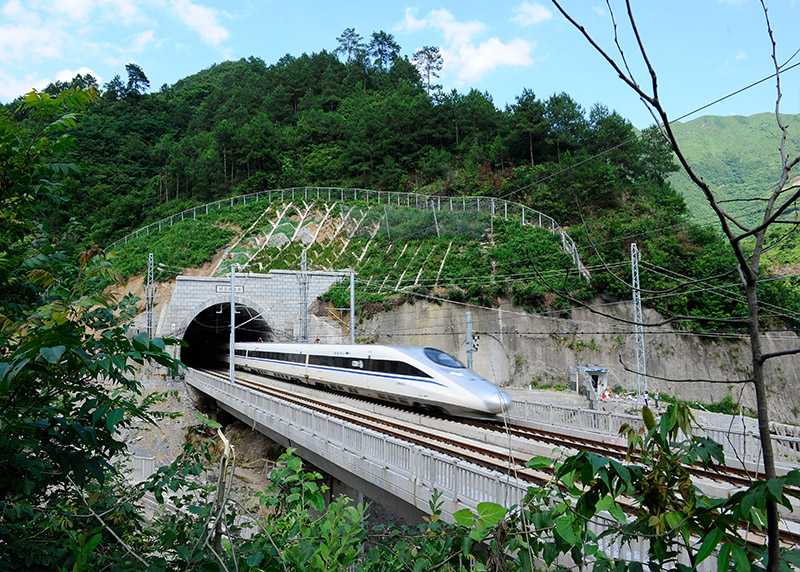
[(442, 358)]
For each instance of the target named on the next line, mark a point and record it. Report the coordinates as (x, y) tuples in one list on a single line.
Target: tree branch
[(103, 523)]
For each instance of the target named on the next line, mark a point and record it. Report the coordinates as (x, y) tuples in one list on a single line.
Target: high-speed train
[(409, 375)]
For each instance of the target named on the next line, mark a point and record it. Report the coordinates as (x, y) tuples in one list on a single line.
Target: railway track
[(509, 459)]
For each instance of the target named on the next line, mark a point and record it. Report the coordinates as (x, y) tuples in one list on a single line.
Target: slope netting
[(473, 249)]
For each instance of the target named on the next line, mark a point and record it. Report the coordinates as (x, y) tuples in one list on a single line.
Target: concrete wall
[(517, 349)]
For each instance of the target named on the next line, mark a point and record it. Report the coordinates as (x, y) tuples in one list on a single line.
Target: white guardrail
[(739, 445), (410, 472)]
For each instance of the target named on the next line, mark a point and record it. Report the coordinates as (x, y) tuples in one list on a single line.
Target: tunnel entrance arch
[(207, 334)]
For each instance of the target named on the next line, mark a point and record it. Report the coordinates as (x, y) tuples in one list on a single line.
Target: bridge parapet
[(384, 466)]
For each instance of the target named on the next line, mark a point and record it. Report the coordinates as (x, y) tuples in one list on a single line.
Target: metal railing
[(410, 472), (738, 444)]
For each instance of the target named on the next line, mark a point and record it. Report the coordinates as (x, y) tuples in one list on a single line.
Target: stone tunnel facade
[(273, 300)]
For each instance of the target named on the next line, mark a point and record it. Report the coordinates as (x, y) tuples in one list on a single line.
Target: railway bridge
[(395, 472)]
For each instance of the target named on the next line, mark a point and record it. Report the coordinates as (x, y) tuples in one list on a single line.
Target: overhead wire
[(632, 139), (469, 280)]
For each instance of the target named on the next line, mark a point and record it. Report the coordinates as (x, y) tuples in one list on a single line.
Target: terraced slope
[(474, 248)]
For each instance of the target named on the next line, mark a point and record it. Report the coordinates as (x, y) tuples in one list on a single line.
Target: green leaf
[(207, 422), (422, 564), (775, 489), (489, 513), (114, 417), (141, 341), (539, 462), (565, 530), (710, 544), (608, 504), (724, 557), (740, 561), (53, 355), (464, 517)]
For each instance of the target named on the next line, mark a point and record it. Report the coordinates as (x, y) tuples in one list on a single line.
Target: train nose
[(498, 401)]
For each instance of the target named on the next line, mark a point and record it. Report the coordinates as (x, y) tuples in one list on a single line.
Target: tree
[(115, 89), (137, 81), (349, 44), (66, 365), (566, 123), (383, 49), (746, 241), (429, 62), (529, 118)]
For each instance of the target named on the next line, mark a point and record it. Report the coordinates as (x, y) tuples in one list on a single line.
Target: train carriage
[(410, 375)]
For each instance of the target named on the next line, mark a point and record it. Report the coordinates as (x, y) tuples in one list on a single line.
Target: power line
[(632, 139)]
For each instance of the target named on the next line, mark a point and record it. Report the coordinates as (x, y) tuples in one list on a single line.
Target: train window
[(442, 358), (398, 367)]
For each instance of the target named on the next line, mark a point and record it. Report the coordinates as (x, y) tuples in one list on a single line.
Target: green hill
[(243, 128), (738, 156)]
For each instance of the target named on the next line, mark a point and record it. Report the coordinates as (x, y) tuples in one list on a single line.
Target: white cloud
[(77, 10), (12, 87), (529, 13), (143, 40), (474, 61), (67, 75), (463, 58), (20, 43), (124, 10), (410, 23), (15, 11), (456, 33), (202, 20)]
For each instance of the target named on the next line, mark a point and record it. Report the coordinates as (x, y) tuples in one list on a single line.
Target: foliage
[(367, 119), (66, 365), (187, 244), (370, 121), (67, 391)]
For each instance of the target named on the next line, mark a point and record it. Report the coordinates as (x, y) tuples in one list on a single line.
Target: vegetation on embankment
[(315, 120)]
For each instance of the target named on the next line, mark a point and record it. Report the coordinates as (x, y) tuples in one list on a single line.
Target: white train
[(409, 375)]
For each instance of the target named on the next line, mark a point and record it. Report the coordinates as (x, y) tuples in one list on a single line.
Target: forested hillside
[(362, 116), (369, 122), (740, 157)]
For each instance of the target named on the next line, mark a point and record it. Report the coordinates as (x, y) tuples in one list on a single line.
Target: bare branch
[(722, 215), (792, 352)]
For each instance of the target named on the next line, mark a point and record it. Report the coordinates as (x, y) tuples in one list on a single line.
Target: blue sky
[(701, 49)]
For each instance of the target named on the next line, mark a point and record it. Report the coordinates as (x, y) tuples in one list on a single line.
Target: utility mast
[(149, 295), (304, 297), (638, 328)]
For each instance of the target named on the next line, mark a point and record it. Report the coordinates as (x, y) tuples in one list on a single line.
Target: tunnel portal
[(208, 335)]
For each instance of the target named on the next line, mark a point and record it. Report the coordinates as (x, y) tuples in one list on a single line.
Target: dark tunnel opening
[(208, 336)]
